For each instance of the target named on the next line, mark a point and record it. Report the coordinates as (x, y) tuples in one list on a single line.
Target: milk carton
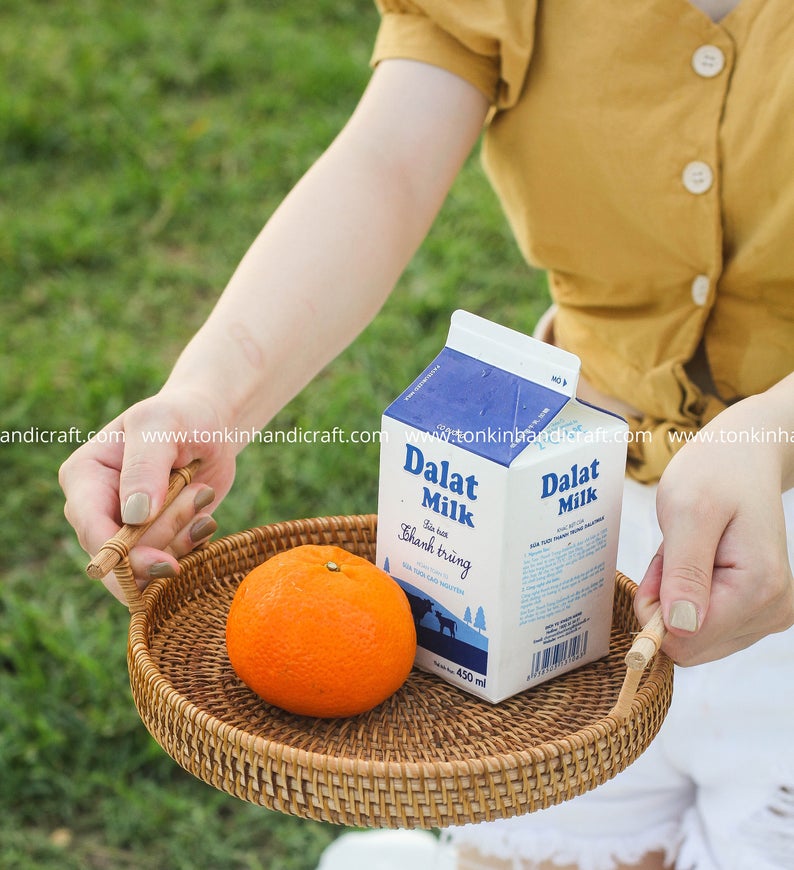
[(498, 510)]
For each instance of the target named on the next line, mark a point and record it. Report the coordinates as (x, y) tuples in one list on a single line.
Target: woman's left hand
[(722, 572)]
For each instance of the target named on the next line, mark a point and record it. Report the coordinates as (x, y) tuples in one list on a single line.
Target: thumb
[(145, 470), (686, 574)]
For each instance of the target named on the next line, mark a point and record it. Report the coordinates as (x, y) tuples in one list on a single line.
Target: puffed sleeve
[(487, 42)]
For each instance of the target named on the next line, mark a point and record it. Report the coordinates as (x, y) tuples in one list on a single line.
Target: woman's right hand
[(121, 476)]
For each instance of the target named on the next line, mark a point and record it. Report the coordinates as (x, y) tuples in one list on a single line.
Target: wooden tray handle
[(112, 555), (645, 646)]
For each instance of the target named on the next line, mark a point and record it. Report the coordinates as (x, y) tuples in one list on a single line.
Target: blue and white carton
[(499, 510)]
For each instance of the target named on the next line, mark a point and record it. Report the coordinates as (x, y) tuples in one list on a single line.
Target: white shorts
[(714, 791)]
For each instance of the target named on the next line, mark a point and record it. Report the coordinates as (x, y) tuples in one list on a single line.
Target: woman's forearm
[(325, 262), (762, 422), (779, 404)]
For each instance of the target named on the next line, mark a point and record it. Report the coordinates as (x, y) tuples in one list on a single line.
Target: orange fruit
[(319, 631)]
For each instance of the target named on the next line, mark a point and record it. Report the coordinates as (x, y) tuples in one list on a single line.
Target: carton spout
[(515, 352)]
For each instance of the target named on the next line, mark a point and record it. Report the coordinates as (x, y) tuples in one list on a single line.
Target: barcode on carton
[(563, 653)]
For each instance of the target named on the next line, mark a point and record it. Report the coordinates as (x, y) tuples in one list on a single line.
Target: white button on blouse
[(697, 177), (708, 61), (700, 289)]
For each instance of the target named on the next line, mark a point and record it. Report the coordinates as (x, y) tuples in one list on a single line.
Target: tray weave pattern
[(430, 756)]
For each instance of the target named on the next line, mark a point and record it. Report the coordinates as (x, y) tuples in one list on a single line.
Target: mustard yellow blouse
[(644, 156)]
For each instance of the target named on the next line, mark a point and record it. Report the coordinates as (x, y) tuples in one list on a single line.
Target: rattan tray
[(430, 756)]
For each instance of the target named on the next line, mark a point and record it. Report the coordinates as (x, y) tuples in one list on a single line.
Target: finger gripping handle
[(112, 555)]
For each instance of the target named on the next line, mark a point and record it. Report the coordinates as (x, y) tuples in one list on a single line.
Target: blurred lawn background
[(142, 150)]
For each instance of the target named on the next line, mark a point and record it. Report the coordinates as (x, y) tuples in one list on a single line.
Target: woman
[(639, 164)]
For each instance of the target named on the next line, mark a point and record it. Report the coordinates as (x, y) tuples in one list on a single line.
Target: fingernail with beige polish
[(684, 616), (161, 569), (202, 528), (136, 509), (203, 498)]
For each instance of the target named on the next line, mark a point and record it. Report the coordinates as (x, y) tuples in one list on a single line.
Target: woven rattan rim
[(430, 756)]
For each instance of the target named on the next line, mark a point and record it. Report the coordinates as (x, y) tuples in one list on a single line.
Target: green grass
[(141, 153)]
